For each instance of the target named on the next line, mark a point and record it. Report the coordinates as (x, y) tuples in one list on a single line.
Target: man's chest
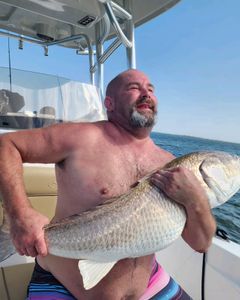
[(95, 178), (118, 172), (111, 171)]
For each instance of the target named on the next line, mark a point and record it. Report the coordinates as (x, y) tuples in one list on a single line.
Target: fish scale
[(136, 227), (142, 221)]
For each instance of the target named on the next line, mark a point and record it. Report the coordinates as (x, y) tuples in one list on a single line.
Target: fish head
[(220, 171)]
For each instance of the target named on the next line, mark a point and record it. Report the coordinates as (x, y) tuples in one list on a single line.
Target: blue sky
[(192, 55)]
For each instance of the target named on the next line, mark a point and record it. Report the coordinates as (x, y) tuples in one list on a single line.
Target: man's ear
[(109, 103)]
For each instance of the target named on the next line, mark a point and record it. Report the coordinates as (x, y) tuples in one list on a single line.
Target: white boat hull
[(222, 273)]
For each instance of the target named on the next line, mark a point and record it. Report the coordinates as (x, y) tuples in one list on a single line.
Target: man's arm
[(41, 145), (182, 186)]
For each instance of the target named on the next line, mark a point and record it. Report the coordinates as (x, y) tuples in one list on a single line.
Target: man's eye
[(151, 90), (134, 87)]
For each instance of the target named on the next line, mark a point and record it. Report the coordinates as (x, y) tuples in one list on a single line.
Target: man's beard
[(139, 120)]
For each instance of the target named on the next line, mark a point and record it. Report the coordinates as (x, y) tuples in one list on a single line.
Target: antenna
[(9, 65)]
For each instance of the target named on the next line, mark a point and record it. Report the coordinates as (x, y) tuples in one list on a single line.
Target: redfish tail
[(6, 245)]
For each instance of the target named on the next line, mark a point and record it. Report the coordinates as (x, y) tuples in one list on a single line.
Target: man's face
[(136, 100)]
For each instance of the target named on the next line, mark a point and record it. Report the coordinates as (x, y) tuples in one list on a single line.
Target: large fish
[(138, 223)]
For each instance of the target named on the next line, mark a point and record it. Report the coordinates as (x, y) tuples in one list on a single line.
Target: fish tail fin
[(6, 245), (92, 272)]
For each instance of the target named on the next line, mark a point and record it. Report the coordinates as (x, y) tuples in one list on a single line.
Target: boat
[(35, 100)]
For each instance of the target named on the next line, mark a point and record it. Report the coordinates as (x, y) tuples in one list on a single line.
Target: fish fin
[(92, 272), (6, 246)]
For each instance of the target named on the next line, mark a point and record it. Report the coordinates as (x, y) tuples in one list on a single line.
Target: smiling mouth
[(145, 106)]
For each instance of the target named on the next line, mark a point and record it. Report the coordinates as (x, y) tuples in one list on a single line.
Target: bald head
[(120, 79)]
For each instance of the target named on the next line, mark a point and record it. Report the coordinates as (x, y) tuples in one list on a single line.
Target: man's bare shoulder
[(88, 127), (77, 133), (164, 155)]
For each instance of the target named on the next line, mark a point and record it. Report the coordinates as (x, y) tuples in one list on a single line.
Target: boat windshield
[(33, 100)]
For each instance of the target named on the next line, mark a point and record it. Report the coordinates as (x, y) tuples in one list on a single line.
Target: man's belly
[(127, 280)]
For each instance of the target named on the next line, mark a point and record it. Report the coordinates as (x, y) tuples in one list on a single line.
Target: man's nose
[(145, 93)]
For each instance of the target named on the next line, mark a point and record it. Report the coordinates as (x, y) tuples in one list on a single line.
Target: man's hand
[(182, 185), (28, 234)]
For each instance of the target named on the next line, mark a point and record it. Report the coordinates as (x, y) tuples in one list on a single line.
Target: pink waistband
[(156, 283)]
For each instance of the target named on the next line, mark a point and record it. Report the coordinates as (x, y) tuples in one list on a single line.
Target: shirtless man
[(95, 162)]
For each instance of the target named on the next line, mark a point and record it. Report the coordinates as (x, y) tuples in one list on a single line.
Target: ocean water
[(228, 214)]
